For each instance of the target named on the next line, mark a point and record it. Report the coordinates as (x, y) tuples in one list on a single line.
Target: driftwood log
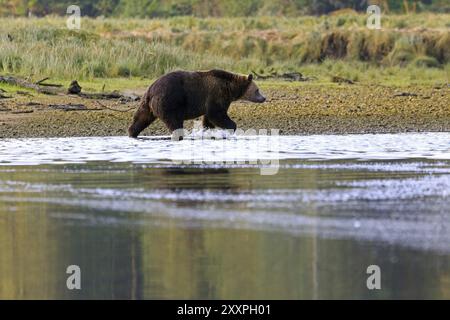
[(288, 76), (74, 89), (29, 85)]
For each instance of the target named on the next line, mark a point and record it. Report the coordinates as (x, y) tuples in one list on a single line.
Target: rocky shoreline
[(292, 109)]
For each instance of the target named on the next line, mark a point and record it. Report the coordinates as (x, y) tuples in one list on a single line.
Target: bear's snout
[(260, 98)]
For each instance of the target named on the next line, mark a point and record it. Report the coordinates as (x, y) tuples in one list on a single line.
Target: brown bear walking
[(182, 95)]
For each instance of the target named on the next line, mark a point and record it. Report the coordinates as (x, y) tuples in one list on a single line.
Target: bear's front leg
[(207, 124), (175, 127), (222, 120)]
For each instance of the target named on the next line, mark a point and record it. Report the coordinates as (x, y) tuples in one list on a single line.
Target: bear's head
[(252, 93)]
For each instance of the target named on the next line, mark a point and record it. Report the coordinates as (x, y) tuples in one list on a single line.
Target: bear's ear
[(250, 77)]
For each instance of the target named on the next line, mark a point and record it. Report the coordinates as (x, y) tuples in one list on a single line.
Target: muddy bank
[(293, 109)]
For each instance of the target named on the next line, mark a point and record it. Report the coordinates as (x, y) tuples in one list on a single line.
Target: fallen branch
[(54, 85), (68, 107), (42, 80), (41, 83), (71, 107), (102, 96), (110, 96), (33, 104), (405, 94), (112, 109), (22, 111)]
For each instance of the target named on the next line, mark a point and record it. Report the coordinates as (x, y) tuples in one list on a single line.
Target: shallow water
[(289, 217)]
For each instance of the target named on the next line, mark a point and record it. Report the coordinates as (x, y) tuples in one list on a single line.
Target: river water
[(247, 217)]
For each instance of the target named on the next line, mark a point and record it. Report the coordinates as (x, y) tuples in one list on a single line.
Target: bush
[(428, 62)]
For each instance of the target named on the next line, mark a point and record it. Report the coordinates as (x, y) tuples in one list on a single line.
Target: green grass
[(13, 89), (64, 54), (134, 51)]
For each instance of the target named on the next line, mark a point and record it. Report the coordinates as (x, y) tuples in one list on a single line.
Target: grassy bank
[(409, 49)]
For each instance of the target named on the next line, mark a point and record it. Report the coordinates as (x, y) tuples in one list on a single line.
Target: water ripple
[(246, 149)]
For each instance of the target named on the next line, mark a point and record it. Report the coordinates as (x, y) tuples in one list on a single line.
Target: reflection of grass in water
[(122, 48)]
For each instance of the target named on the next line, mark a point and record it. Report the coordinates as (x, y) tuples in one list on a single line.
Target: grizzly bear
[(183, 95)]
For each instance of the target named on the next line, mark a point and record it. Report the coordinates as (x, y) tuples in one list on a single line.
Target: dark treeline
[(210, 8)]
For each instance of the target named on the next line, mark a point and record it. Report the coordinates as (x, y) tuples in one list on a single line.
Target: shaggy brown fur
[(182, 95)]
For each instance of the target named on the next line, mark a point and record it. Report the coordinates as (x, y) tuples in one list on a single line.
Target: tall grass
[(70, 54), (149, 48)]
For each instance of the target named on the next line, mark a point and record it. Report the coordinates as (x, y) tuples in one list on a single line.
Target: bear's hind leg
[(141, 120)]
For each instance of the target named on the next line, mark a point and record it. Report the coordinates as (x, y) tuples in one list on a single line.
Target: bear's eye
[(257, 91)]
